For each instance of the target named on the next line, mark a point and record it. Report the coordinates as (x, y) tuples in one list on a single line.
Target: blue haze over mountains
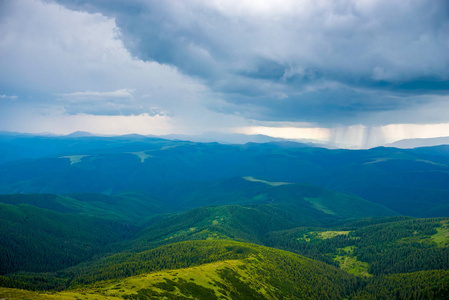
[(412, 182)]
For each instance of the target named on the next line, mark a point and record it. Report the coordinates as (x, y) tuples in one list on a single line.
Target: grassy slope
[(232, 222), (250, 272), (40, 240), (232, 269), (210, 282), (442, 235), (274, 271), (256, 223), (275, 208), (204, 278)]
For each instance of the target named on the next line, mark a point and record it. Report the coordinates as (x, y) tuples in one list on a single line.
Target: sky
[(355, 73)]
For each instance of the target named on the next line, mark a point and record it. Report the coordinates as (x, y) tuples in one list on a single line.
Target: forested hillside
[(366, 248), (41, 240), (230, 270)]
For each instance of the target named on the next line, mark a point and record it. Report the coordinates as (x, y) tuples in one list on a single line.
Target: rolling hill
[(231, 270), (228, 270), (59, 227)]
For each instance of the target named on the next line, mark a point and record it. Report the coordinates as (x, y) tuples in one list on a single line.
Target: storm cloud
[(343, 66), (315, 61)]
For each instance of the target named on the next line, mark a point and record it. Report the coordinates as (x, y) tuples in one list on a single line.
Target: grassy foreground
[(202, 282), (233, 270)]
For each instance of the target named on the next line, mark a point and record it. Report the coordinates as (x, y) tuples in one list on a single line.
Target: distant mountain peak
[(420, 142), (79, 134), (238, 138)]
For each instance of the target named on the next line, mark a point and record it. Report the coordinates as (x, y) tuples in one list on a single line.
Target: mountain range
[(135, 217)]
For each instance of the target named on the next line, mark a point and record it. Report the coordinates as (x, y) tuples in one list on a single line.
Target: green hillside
[(314, 202), (373, 246), (359, 246), (356, 256), (314, 205), (65, 230), (417, 285), (39, 240), (232, 222), (214, 268), (232, 270), (131, 207), (263, 208)]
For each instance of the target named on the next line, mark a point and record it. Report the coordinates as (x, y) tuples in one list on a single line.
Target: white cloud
[(7, 97), (119, 102), (68, 62), (52, 51), (98, 124), (102, 96)]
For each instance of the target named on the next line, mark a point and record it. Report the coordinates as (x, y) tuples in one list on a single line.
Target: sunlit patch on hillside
[(252, 179), (142, 155), (75, 159), (442, 236), (330, 234), (317, 203), (350, 264)]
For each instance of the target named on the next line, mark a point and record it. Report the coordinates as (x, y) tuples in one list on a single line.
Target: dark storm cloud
[(317, 61)]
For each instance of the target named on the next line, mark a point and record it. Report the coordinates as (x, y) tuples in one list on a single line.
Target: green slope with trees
[(231, 270), (130, 207), (281, 273), (40, 240), (373, 246)]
